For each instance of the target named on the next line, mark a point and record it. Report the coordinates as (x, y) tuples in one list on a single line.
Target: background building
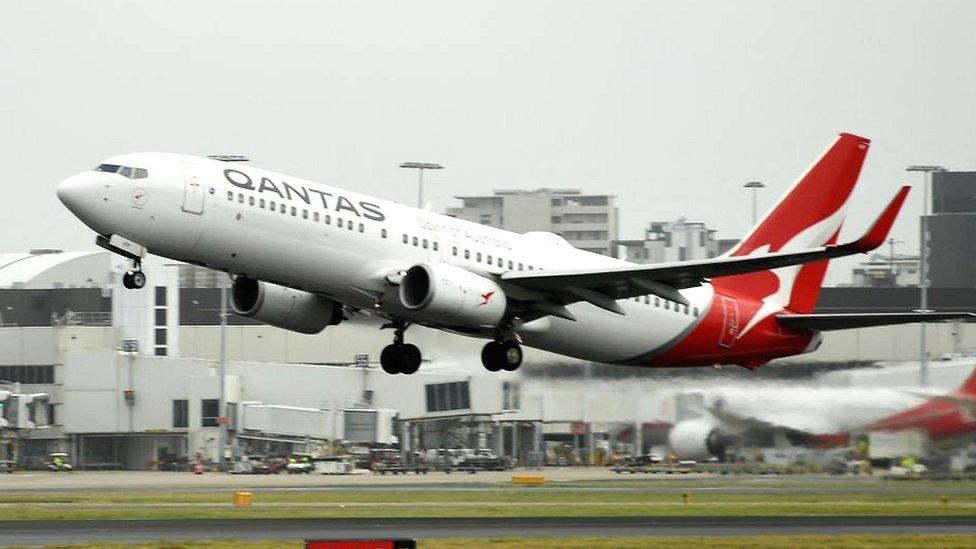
[(883, 271), (679, 240), (587, 221), (952, 230), (130, 376)]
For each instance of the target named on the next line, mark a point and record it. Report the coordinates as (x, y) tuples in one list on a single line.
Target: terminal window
[(442, 397), (181, 414), (42, 373), (209, 412)]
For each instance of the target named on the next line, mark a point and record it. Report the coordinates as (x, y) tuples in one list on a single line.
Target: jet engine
[(698, 439), (452, 296), (294, 310)]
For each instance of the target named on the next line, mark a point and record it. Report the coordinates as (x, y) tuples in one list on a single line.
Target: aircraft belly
[(603, 336)]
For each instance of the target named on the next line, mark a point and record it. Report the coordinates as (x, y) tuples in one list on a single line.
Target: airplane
[(825, 417), (304, 256)]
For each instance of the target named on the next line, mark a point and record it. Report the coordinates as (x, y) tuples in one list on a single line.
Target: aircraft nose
[(80, 193), (71, 189)]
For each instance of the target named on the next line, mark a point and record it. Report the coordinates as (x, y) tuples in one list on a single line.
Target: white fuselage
[(248, 221)]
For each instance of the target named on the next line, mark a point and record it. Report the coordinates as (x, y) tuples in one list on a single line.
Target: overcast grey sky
[(669, 105)]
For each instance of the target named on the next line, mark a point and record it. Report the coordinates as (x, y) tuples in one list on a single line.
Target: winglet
[(878, 232)]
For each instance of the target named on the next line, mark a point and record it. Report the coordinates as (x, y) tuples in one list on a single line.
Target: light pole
[(222, 401), (755, 186), (923, 283), (420, 167), (891, 258)]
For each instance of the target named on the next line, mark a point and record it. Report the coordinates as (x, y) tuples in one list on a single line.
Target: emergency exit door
[(193, 194)]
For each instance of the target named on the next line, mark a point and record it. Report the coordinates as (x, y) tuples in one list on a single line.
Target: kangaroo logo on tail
[(809, 215)]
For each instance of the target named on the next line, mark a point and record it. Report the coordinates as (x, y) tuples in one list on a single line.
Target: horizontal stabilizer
[(846, 321)]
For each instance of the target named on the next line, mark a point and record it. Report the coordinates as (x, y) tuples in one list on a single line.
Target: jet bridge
[(19, 412)]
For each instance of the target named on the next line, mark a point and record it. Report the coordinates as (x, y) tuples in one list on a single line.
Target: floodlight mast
[(420, 167), (923, 275), (755, 186)]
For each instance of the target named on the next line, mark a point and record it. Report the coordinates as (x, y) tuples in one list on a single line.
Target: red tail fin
[(808, 216), (969, 386)]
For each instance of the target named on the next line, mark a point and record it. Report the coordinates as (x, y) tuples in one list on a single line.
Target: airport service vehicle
[(829, 416), (58, 462), (305, 256)]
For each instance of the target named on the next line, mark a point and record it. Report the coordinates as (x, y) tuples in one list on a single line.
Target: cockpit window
[(131, 173)]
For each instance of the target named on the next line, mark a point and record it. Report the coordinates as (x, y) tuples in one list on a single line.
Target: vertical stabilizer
[(809, 215)]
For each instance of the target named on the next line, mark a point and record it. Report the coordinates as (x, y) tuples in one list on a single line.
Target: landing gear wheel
[(134, 280), (411, 358), (510, 355), (501, 355), (490, 354), (391, 359), (400, 358)]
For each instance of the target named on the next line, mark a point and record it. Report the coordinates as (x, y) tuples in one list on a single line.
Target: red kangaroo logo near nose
[(485, 298)]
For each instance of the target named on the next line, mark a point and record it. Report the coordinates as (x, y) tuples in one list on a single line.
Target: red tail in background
[(969, 386)]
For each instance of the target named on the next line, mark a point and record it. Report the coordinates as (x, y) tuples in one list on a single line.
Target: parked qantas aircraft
[(825, 417), (302, 254)]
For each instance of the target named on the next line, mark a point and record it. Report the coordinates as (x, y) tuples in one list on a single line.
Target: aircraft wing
[(845, 321), (602, 286)]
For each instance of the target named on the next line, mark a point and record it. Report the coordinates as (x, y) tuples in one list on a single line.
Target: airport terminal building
[(132, 377)]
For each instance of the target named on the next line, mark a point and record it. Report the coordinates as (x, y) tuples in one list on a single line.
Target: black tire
[(138, 279), (510, 355), (391, 359), (410, 358), (490, 356)]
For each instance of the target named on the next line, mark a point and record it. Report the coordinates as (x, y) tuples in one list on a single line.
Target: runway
[(55, 532)]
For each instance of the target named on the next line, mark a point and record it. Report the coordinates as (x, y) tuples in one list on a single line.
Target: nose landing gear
[(400, 357), (134, 278), (502, 355)]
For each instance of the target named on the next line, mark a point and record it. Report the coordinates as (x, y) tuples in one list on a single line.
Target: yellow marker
[(242, 499), (528, 480)]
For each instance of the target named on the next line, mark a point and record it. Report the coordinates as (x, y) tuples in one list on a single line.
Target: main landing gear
[(399, 358), (502, 355), (134, 278)]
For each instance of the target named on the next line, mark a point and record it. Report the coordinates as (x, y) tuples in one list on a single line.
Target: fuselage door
[(730, 322), (193, 193)]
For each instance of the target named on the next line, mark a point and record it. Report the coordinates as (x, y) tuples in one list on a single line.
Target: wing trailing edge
[(847, 321)]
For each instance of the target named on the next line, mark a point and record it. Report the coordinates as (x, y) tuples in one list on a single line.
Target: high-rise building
[(952, 230), (587, 221), (679, 240)]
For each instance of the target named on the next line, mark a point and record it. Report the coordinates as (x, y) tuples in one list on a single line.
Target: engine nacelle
[(282, 307), (452, 296), (697, 439)]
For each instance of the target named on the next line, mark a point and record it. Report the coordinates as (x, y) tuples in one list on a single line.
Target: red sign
[(360, 544)]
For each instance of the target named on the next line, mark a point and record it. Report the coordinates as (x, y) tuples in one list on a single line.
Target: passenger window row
[(668, 305), (488, 259), (418, 242), (415, 241), (315, 216)]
